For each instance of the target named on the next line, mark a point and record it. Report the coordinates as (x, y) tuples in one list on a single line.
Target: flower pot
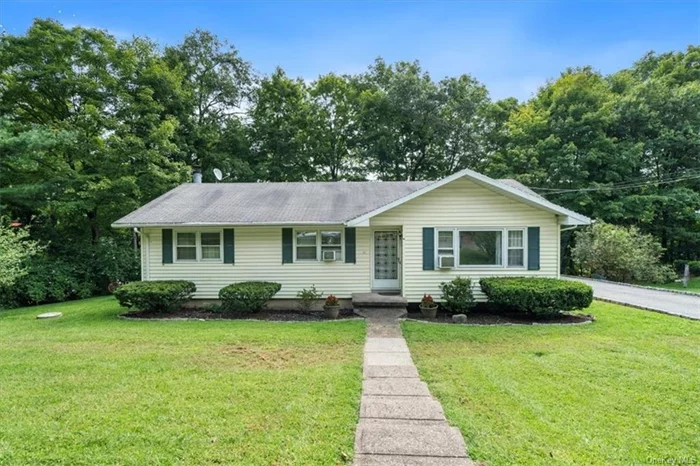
[(428, 312), (331, 311)]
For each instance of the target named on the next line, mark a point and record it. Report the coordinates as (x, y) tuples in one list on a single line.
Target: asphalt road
[(657, 300)]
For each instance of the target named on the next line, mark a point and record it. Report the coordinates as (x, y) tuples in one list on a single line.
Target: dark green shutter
[(533, 248), (168, 246), (350, 245), (428, 248), (228, 246), (287, 246)]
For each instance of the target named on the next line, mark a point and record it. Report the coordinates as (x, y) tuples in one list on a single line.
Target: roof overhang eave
[(219, 224)]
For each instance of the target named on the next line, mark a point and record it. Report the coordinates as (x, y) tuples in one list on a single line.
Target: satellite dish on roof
[(217, 173)]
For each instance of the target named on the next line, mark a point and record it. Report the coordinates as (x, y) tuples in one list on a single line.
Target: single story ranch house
[(403, 238)]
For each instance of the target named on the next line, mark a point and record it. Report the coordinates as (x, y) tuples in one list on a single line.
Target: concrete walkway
[(400, 423), (655, 300)]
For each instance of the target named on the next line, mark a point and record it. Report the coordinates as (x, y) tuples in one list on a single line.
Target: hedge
[(247, 296), (537, 296), (155, 296)]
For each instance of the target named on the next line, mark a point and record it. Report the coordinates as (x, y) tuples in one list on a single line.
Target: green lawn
[(623, 390), (93, 389), (693, 285)]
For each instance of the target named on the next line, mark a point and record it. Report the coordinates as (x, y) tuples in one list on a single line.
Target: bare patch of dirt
[(255, 357)]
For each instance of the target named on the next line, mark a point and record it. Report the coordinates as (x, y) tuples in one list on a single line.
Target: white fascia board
[(222, 224), (572, 217)]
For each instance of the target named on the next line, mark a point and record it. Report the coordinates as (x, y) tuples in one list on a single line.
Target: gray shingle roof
[(268, 203)]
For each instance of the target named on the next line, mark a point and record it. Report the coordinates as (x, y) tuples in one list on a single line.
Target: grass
[(622, 390), (693, 285), (89, 388)]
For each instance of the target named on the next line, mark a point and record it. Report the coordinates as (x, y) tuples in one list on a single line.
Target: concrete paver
[(395, 387), (388, 359), (401, 407), (411, 440), (398, 460), (376, 372)]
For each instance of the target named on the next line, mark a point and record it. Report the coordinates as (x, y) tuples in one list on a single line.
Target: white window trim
[(515, 248), (319, 257), (198, 247), (504, 247)]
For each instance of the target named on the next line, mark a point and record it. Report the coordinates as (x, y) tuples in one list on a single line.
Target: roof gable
[(510, 188)]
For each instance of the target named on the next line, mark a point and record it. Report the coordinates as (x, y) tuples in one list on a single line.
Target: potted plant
[(331, 307), (428, 307)]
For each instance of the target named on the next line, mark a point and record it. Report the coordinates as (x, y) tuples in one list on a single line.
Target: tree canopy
[(93, 127)]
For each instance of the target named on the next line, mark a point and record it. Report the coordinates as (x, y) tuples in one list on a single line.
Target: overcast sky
[(512, 47)]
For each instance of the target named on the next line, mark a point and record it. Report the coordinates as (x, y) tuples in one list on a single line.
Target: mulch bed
[(490, 318), (269, 315)]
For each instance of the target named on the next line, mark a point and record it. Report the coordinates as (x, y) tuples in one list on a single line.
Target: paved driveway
[(657, 300)]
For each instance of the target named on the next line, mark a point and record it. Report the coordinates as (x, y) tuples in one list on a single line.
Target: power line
[(689, 171), (618, 186)]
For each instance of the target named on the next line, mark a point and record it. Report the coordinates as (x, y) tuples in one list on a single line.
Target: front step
[(382, 313), (375, 300)]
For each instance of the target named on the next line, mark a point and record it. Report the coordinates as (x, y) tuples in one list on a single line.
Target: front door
[(385, 268)]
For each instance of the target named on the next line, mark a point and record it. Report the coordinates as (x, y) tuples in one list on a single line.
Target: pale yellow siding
[(463, 203), (258, 256)]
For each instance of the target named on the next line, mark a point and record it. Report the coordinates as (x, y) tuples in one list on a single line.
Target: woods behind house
[(92, 127)]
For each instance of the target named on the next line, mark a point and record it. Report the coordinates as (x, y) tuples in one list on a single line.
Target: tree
[(412, 128), (280, 130), (401, 121), (561, 140), (334, 114), (658, 111), (216, 84), (465, 115), (96, 107), (620, 254), (15, 249)]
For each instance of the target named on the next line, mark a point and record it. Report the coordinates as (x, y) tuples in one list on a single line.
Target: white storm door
[(385, 262)]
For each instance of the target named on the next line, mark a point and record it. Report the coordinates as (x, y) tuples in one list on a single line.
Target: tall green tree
[(414, 128), (335, 134), (401, 121), (85, 132), (659, 109), (280, 130), (466, 119), (216, 84)]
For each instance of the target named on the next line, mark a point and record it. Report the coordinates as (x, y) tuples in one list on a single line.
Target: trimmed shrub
[(308, 297), (537, 296), (155, 296), (620, 254), (457, 295), (247, 296)]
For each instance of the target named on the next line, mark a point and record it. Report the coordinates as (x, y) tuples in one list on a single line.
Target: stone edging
[(194, 319), (511, 324), (632, 285)]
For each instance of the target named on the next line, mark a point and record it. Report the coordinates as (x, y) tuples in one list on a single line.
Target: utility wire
[(690, 171), (627, 185)]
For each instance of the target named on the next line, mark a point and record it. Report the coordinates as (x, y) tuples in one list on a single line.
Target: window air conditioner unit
[(329, 256), (446, 262)]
